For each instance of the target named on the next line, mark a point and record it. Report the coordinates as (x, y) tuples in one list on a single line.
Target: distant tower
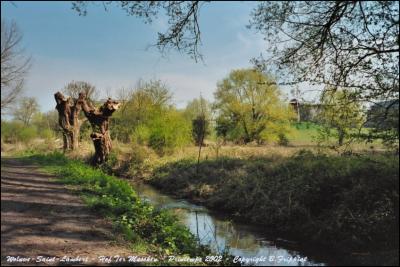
[(296, 106)]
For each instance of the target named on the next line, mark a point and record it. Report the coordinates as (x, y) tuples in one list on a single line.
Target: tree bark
[(68, 119), (64, 113), (99, 119)]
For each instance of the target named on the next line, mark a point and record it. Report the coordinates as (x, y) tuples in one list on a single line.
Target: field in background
[(301, 136)]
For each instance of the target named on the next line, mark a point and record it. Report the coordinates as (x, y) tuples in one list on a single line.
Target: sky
[(109, 49)]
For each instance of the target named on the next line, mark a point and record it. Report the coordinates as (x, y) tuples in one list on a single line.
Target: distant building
[(296, 107), (306, 111)]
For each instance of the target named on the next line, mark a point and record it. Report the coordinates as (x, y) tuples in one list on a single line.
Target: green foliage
[(141, 135), (47, 123), (199, 113), (197, 107), (200, 129), (148, 118), (168, 132), (383, 119), (46, 134), (349, 202), (140, 161), (340, 113), (283, 140), (26, 134), (40, 125), (16, 131), (146, 102), (249, 107), (224, 127)]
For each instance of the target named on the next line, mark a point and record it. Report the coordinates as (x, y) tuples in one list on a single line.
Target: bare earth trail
[(40, 217)]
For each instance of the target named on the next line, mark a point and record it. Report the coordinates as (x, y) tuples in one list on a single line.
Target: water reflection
[(221, 233)]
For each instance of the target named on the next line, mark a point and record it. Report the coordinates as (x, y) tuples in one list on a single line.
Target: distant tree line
[(249, 108)]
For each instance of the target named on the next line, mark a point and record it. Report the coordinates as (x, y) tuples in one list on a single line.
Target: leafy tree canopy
[(250, 102)]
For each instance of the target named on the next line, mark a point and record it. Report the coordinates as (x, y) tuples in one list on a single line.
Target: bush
[(168, 132), (283, 140), (15, 131), (200, 129), (141, 135), (140, 163), (46, 134)]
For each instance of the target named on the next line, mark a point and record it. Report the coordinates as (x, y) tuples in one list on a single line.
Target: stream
[(245, 241)]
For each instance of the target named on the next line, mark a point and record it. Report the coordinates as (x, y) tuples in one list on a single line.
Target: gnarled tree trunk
[(99, 119), (68, 119)]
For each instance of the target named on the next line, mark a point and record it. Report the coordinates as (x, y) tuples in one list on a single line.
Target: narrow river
[(242, 240)]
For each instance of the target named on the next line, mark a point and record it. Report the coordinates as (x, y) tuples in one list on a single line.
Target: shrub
[(140, 162), (200, 129), (46, 134), (141, 135), (15, 131), (283, 140), (168, 132)]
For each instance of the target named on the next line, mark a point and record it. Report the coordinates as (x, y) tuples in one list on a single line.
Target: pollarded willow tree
[(68, 119), (99, 119), (69, 109)]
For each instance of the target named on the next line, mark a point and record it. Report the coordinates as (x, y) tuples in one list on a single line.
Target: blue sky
[(108, 49)]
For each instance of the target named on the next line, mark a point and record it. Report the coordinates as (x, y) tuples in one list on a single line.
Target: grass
[(147, 229), (303, 133)]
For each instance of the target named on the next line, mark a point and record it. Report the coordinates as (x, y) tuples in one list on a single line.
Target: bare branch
[(14, 65)]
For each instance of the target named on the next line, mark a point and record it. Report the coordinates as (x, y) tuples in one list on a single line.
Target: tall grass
[(346, 202)]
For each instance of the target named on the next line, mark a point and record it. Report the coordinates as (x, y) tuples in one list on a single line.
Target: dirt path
[(42, 218)]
